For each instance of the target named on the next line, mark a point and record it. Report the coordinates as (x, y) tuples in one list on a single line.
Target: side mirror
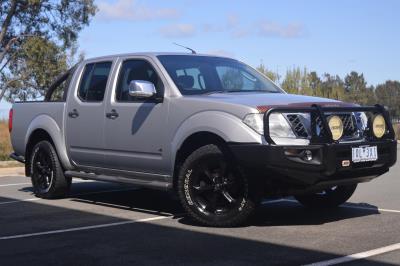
[(142, 89)]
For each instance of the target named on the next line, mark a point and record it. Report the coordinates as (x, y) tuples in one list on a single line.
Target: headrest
[(185, 82)]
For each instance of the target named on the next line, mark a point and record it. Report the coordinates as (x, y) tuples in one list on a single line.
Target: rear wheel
[(328, 198), (47, 175), (213, 190)]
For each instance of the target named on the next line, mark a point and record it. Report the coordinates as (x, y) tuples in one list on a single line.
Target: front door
[(85, 115), (134, 135)]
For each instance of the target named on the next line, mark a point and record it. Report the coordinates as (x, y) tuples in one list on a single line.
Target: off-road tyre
[(214, 190), (47, 174)]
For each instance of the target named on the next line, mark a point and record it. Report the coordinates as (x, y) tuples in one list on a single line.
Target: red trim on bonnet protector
[(265, 108)]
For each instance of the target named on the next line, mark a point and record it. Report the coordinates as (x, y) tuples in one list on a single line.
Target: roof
[(153, 54)]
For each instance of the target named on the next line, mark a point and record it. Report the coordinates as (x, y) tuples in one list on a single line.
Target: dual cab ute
[(211, 129)]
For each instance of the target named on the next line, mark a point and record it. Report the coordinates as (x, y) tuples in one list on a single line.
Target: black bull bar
[(317, 111)]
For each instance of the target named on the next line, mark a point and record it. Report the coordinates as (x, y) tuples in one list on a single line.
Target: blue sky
[(326, 36)]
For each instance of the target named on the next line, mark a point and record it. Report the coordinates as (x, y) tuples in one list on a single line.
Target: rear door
[(85, 115)]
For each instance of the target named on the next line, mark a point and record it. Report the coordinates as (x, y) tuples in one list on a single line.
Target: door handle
[(112, 115), (73, 114)]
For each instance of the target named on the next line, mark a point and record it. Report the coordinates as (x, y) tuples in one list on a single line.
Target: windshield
[(206, 74)]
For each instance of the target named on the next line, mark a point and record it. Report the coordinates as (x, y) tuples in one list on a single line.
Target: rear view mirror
[(142, 89)]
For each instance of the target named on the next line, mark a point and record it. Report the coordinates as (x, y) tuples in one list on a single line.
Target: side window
[(135, 69), (94, 81)]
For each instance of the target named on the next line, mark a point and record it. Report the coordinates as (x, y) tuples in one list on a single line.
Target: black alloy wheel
[(47, 174), (214, 190), (42, 170)]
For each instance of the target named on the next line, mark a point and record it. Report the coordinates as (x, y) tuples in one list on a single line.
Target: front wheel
[(47, 175), (213, 190), (328, 198)]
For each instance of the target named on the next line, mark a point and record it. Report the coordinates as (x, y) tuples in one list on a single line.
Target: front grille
[(349, 125), (299, 125)]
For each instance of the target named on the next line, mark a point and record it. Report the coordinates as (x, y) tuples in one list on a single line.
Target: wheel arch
[(193, 142), (41, 128), (216, 125)]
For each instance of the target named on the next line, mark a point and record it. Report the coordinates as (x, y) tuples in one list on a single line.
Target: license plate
[(364, 154)]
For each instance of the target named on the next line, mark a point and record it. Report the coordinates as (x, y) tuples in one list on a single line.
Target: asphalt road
[(112, 224)]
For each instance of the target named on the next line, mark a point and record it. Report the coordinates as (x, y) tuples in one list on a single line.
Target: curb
[(9, 162), (12, 171)]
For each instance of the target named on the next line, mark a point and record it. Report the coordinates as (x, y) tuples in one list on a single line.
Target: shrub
[(5, 144), (397, 130)]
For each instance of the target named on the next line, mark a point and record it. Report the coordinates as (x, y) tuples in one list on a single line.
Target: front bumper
[(328, 166)]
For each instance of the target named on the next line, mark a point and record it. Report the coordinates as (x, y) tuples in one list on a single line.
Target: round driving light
[(379, 126), (336, 126)]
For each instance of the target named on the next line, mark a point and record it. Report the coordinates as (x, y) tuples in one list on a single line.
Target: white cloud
[(178, 31), (232, 21), (272, 29), (235, 28), (130, 10), (231, 24), (212, 28), (240, 33)]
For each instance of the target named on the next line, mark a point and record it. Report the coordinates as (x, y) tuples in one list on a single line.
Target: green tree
[(314, 82), (356, 89), (388, 94), (332, 87), (41, 59), (52, 23), (274, 76), (296, 81)]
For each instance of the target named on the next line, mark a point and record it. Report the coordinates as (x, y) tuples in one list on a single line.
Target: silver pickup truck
[(211, 129)]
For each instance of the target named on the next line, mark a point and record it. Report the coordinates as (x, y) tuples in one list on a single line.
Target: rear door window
[(94, 81)]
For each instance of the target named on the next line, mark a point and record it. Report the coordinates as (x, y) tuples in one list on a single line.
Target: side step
[(17, 157), (154, 184)]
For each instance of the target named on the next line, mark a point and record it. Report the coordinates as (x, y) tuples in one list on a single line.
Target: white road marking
[(90, 227), (371, 209), (357, 256), (16, 201), (342, 206), (71, 196), (79, 180), (15, 184), (30, 183)]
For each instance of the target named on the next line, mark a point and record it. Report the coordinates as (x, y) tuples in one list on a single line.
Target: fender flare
[(48, 124), (227, 126)]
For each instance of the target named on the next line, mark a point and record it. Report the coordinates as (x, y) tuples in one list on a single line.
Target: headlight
[(279, 129), (336, 126), (379, 126), (255, 122)]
